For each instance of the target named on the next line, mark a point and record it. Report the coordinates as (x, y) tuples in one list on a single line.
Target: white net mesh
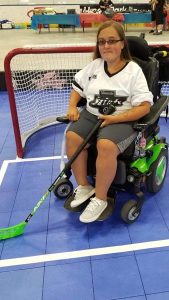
[(42, 84)]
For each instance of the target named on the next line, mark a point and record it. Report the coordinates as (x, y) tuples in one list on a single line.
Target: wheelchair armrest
[(159, 106), (63, 119)]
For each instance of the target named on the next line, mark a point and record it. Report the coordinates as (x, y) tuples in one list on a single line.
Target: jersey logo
[(106, 99), (94, 76)]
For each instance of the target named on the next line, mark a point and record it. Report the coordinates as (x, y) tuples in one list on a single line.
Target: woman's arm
[(73, 112), (132, 114)]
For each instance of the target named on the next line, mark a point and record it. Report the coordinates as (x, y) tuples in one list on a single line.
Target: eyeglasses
[(109, 42)]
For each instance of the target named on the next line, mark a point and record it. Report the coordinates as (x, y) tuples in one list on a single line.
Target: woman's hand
[(73, 113), (107, 120), (133, 114)]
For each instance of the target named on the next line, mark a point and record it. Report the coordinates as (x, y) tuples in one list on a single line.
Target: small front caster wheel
[(63, 188), (127, 212)]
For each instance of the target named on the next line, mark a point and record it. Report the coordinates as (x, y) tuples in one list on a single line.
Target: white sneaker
[(81, 194), (93, 210)]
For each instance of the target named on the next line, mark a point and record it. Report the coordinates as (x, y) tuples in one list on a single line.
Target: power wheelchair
[(139, 168)]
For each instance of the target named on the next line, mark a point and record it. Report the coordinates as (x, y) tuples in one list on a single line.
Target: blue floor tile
[(65, 232), (7, 200), (8, 153), (154, 271), (45, 136), (4, 222), (116, 278), (27, 199), (38, 166), (23, 284), (68, 282), (38, 180), (11, 182), (162, 202), (105, 234), (160, 296), (150, 226)]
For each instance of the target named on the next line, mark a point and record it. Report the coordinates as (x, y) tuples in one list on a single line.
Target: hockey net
[(39, 84)]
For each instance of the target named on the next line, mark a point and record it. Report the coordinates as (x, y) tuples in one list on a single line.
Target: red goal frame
[(10, 87)]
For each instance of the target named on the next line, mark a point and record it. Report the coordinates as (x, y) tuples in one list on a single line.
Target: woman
[(105, 4), (157, 7), (106, 8), (112, 77)]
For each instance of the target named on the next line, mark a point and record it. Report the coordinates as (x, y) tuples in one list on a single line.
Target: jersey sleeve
[(140, 91), (81, 79)]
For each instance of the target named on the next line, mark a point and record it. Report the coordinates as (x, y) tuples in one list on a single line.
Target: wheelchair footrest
[(108, 211), (75, 209), (105, 214)]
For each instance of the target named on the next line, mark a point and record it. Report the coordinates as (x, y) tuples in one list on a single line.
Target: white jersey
[(125, 89)]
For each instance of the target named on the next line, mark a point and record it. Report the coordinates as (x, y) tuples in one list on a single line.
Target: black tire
[(127, 212), (63, 188), (158, 171)]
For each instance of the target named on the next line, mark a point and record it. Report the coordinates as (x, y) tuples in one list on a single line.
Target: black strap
[(166, 115)]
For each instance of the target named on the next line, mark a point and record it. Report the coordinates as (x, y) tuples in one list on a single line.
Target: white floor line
[(82, 253), (22, 160), (3, 170)]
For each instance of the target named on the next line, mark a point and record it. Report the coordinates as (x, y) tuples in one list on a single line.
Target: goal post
[(39, 82)]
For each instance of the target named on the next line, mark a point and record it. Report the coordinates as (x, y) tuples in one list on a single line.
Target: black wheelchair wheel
[(63, 188), (158, 171), (127, 212)]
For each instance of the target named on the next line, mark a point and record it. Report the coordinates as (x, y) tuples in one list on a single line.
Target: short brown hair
[(118, 27)]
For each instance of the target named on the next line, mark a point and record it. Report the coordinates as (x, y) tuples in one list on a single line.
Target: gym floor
[(59, 258)]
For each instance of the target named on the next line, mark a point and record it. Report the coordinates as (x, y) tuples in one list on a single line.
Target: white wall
[(39, 2)]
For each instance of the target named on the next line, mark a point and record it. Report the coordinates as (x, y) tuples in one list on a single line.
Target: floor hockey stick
[(13, 231)]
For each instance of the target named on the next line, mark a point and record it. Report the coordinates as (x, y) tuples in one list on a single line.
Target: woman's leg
[(106, 166), (160, 27), (159, 21), (79, 166), (153, 22)]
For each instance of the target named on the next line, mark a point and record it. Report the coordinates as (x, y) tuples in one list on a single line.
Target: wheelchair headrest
[(138, 47)]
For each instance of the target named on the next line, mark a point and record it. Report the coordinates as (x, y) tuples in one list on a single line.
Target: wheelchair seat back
[(141, 54)]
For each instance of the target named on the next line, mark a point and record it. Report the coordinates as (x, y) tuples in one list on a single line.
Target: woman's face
[(110, 45)]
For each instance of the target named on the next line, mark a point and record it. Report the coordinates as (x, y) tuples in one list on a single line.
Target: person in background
[(105, 4), (157, 7), (112, 77)]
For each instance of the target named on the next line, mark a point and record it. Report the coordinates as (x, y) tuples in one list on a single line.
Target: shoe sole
[(157, 33), (92, 192), (92, 219)]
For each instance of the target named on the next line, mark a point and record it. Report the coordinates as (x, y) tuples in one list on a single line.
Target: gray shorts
[(122, 134)]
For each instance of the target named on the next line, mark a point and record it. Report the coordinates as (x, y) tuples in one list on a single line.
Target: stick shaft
[(37, 206)]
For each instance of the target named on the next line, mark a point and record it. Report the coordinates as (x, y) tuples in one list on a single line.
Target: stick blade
[(10, 232)]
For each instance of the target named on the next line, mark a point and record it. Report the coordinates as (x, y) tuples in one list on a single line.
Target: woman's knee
[(73, 140), (106, 147)]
